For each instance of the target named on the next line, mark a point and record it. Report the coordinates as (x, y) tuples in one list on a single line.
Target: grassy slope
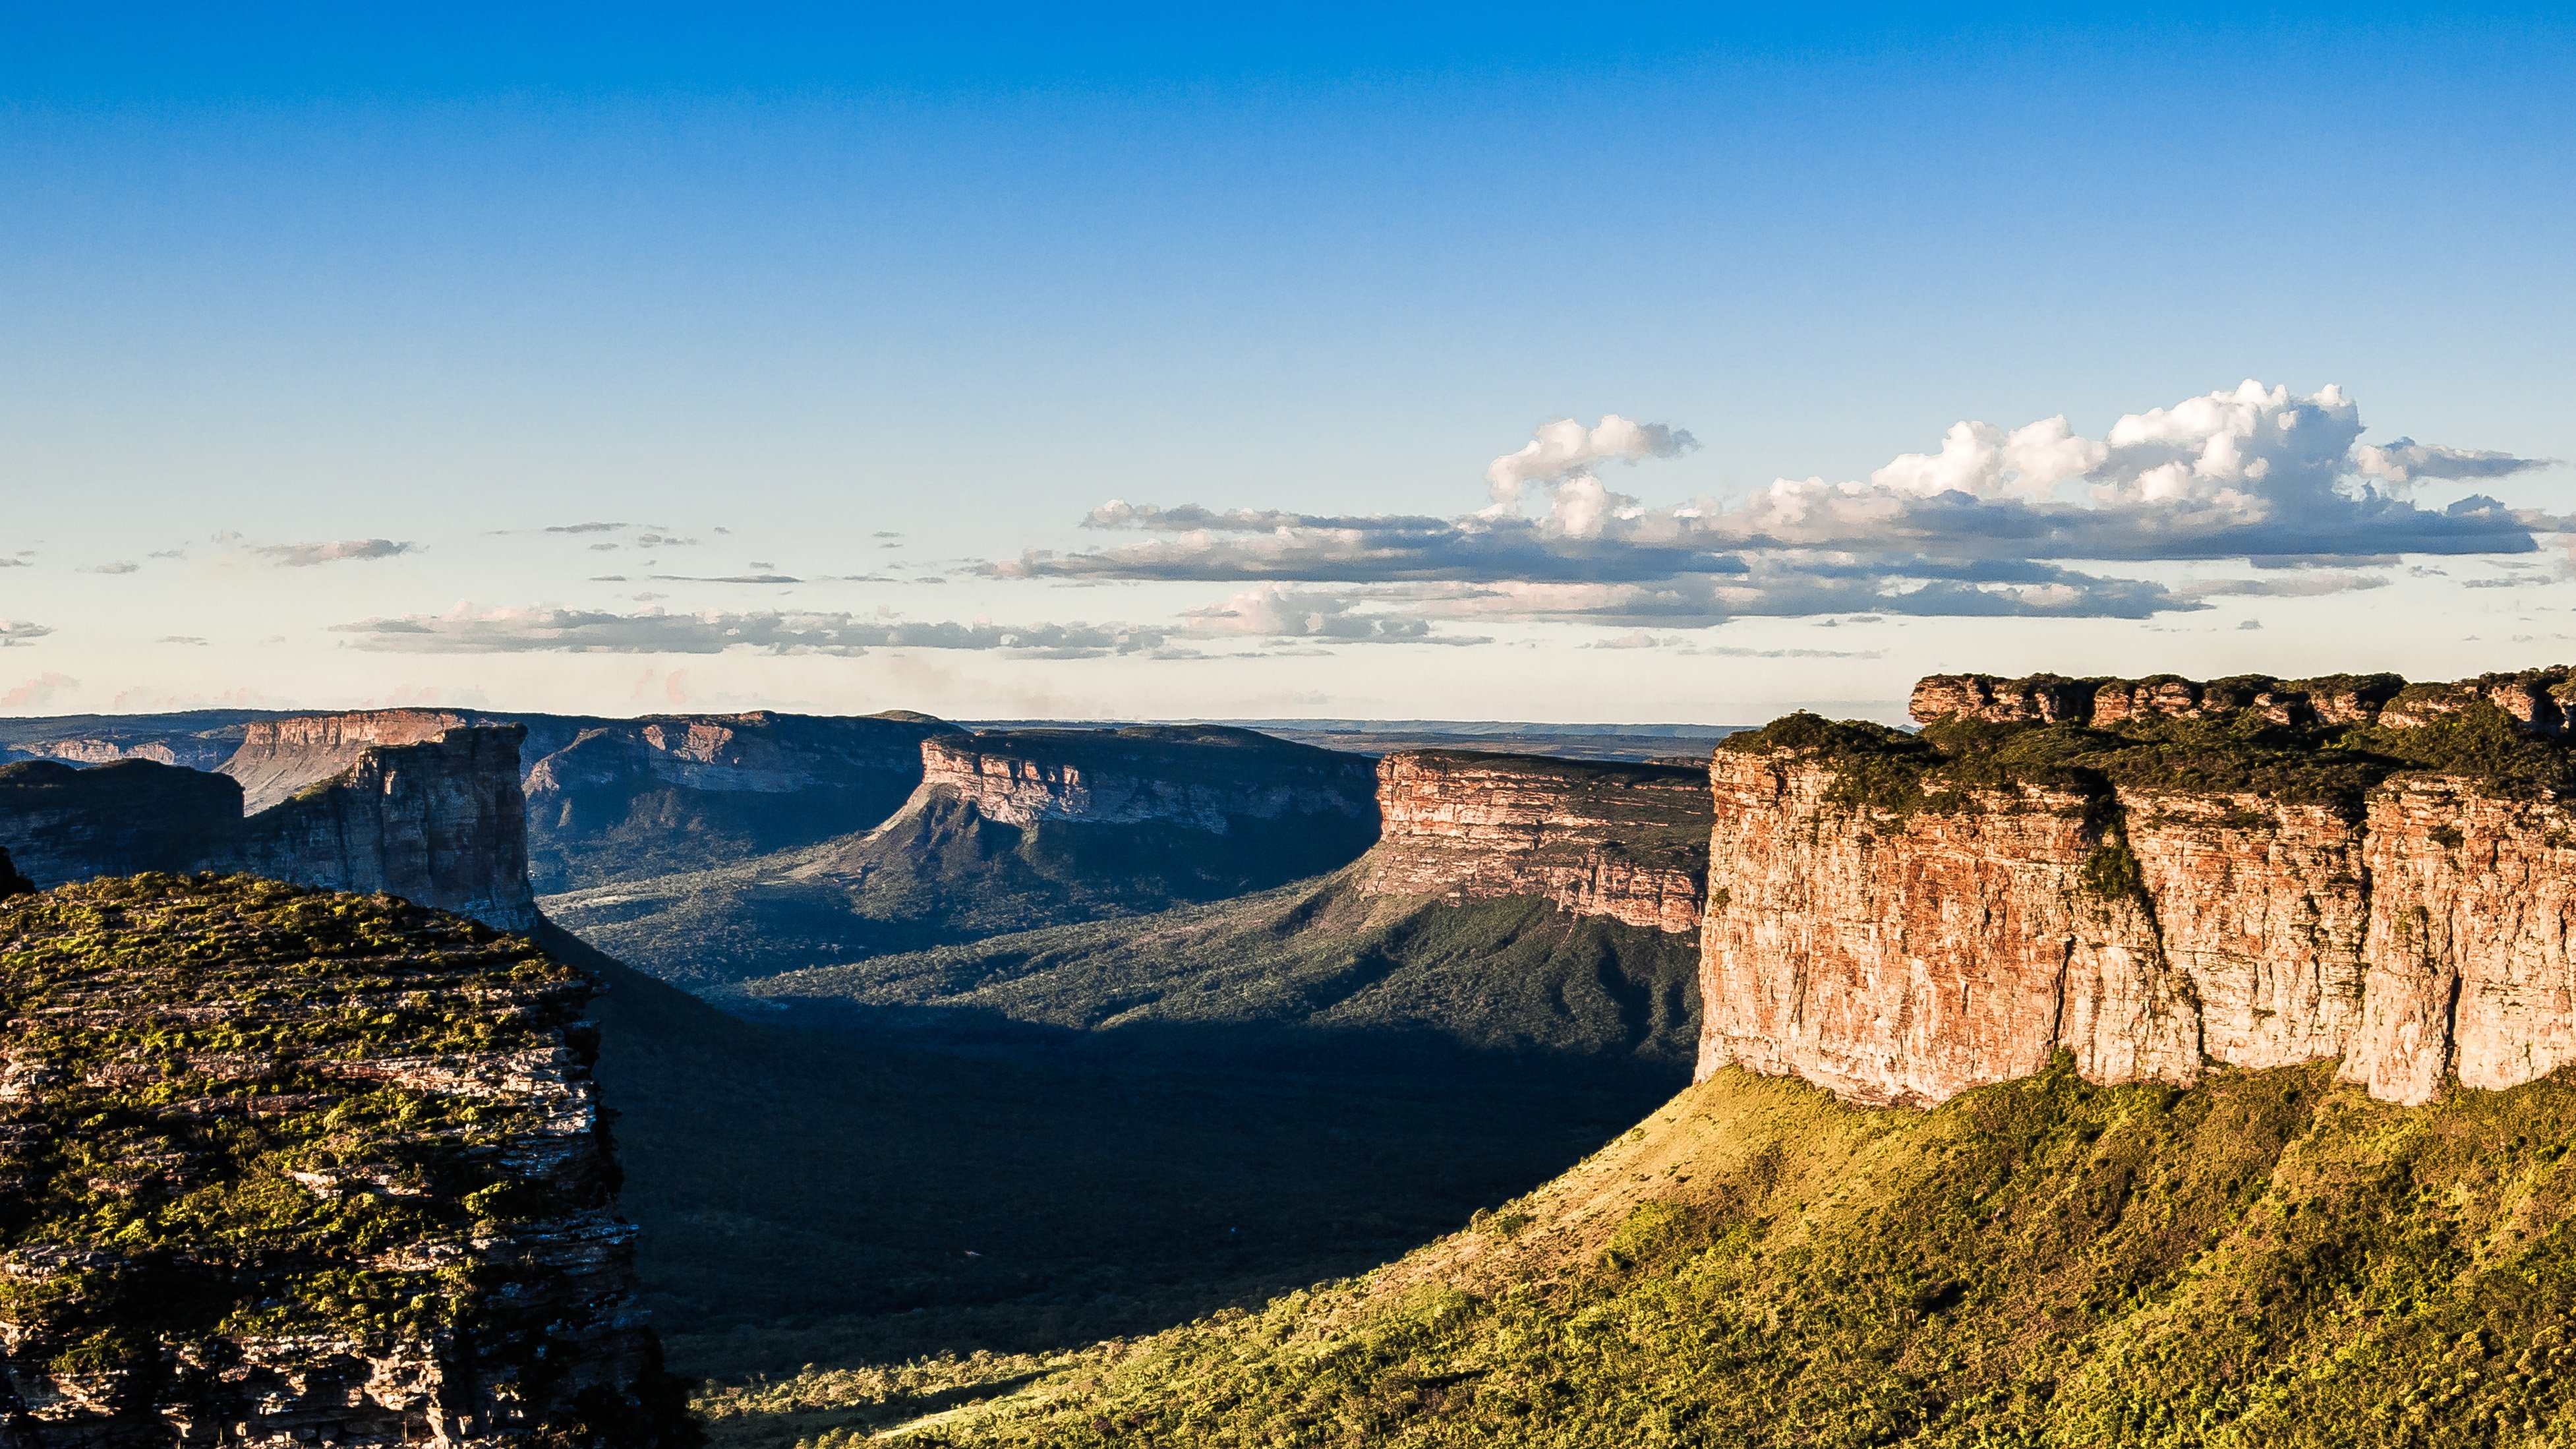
[(2267, 1259), (1509, 975), (811, 1197)]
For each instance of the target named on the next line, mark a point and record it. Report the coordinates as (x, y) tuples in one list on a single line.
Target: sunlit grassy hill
[(2267, 1259)]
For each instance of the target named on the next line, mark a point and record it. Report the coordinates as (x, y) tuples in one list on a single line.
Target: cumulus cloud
[(306, 555), (1986, 523), (121, 566), (582, 631), (1566, 449), (20, 631)]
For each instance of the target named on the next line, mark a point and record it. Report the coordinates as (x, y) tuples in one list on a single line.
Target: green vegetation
[(2238, 751), (232, 1110), (812, 1196), (2268, 1259), (942, 876), (1514, 974)]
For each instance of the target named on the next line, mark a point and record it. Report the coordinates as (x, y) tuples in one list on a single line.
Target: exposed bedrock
[(1629, 842), (2541, 700), (1199, 777), (439, 821), (278, 757), (359, 1190), (2421, 933)]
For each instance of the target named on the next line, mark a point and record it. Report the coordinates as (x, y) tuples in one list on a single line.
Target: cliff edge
[(2155, 877), (283, 1166)]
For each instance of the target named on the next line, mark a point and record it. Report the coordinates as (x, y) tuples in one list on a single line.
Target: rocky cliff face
[(2191, 878), (278, 757), (1624, 841), (356, 1190), (440, 821), (623, 799), (1194, 777), (61, 823)]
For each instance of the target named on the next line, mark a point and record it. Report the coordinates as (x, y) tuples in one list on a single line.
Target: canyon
[(2404, 906)]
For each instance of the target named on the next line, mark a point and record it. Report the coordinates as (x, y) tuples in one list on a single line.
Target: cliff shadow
[(844, 1186)]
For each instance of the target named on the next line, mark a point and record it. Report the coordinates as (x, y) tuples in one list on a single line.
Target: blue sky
[(891, 297)]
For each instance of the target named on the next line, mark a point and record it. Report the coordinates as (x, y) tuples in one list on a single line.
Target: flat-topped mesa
[(1629, 842), (1209, 778), (2542, 701), (754, 753), (278, 757), (439, 821), (360, 1190), (1901, 917)]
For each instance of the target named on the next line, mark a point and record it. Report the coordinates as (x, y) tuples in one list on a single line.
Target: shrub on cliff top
[(2234, 751)]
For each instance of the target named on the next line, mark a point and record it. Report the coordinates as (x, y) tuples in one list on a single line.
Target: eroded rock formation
[(358, 1190), (278, 757), (1195, 777), (439, 821), (1629, 842), (1900, 937)]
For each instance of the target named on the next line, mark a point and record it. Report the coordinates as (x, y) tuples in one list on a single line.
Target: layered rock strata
[(357, 1188), (278, 757), (1195, 777), (1629, 842), (1903, 948), (439, 821)]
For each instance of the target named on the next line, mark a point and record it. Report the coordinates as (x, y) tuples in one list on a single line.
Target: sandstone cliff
[(2154, 876), (1629, 842), (1196, 777), (440, 822), (278, 757), (623, 799), (357, 1189)]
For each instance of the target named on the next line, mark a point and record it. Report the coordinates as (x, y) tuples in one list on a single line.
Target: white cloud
[(306, 555), (1984, 524), (466, 630), (121, 566), (19, 631), (1566, 449), (38, 692)]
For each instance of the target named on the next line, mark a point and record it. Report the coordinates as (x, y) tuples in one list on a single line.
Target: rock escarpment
[(278, 757), (1144, 816), (2154, 876), (285, 1167), (1629, 842), (439, 821), (1196, 777), (621, 799)]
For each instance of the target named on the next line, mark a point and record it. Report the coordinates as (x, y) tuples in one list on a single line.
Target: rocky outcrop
[(360, 1191), (1194, 777), (192, 752), (1624, 841), (61, 823), (2543, 701), (623, 799), (1902, 942), (440, 821), (278, 757)]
